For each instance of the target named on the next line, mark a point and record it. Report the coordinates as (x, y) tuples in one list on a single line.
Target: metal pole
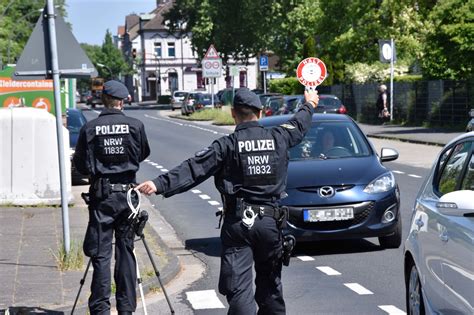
[(212, 92), (264, 82), (391, 80), (59, 125), (182, 62)]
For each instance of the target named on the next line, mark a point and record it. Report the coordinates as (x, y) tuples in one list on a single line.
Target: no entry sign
[(311, 72)]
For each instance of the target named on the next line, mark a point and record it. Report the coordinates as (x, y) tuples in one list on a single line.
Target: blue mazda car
[(337, 185)]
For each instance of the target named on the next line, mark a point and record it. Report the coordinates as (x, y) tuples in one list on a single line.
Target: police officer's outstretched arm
[(295, 129), (188, 174)]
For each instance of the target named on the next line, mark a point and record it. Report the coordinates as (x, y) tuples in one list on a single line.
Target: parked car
[(75, 119), (292, 103), (177, 99), (470, 124), (274, 105), (264, 97), (439, 249), (85, 96), (204, 100), (191, 103), (328, 104), (337, 185)]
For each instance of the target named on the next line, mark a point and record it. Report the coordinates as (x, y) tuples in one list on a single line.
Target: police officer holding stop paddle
[(250, 170)]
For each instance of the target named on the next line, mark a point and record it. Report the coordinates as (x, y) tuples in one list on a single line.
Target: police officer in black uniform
[(250, 170), (110, 149)]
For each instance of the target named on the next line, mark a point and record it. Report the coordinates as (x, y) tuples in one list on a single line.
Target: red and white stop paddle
[(311, 72)]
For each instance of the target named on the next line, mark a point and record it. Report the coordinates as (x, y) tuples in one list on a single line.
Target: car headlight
[(381, 184)]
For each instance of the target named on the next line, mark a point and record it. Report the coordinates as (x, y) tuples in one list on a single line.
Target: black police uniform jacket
[(251, 163), (111, 146)]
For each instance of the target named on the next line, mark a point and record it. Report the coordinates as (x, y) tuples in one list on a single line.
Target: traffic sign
[(234, 71), (263, 63), (211, 67), (386, 51), (311, 72), (211, 53)]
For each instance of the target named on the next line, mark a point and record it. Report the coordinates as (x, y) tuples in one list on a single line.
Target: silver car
[(439, 250)]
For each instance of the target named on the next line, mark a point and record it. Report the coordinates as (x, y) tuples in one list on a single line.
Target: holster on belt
[(100, 188)]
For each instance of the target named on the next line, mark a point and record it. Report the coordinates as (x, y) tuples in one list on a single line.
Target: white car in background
[(177, 99), (439, 250)]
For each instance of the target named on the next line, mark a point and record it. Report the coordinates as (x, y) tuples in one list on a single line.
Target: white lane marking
[(329, 271), (220, 208), (96, 111), (392, 310), (164, 170), (187, 125), (205, 197), (158, 166), (357, 288), (195, 191), (398, 172), (205, 299), (153, 163), (413, 175), (305, 258), (214, 203), (147, 160)]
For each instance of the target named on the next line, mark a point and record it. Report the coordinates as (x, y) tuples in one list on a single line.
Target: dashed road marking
[(204, 197), (392, 310), (164, 170), (195, 191), (153, 163), (220, 208), (187, 125), (413, 175), (214, 203), (357, 288), (158, 166), (96, 111), (305, 258), (206, 299), (329, 271), (398, 172)]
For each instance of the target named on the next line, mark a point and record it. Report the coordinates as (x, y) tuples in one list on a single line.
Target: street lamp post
[(182, 57)]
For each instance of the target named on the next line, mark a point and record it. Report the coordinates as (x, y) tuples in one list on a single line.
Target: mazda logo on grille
[(326, 191)]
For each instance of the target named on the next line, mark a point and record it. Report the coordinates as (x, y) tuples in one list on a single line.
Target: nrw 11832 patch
[(288, 126)]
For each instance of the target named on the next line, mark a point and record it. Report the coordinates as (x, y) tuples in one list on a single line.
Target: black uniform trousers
[(106, 217), (262, 244)]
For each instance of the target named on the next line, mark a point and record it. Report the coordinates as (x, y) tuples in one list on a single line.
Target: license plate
[(322, 215)]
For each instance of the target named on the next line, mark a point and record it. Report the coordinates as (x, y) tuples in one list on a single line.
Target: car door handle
[(444, 236)]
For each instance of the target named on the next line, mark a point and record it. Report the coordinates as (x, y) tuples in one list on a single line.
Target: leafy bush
[(377, 72), (287, 86)]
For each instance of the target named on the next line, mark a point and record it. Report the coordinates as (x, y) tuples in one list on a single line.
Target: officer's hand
[(312, 97), (147, 188)]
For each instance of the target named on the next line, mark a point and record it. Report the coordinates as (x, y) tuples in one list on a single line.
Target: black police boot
[(124, 313)]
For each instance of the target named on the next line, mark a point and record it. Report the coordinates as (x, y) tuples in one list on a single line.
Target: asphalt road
[(339, 277)]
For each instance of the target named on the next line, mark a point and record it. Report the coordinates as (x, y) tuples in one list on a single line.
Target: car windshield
[(329, 102), (331, 140), (179, 94)]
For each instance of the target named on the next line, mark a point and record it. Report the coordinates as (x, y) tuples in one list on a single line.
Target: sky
[(90, 19)]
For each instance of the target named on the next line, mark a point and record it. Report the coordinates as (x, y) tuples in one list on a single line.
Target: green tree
[(17, 20), (449, 46), (112, 59)]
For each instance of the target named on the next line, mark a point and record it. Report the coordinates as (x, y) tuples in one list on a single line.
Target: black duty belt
[(120, 187)]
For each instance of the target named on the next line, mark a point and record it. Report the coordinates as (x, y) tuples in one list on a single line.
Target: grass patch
[(72, 261), (218, 116)]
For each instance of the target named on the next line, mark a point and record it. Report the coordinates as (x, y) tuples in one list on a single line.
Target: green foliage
[(287, 86), (410, 78), (17, 20), (449, 46), (309, 48), (376, 72)]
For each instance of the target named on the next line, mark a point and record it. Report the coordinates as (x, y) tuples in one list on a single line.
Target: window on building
[(200, 81), (243, 78), (171, 50), (157, 49)]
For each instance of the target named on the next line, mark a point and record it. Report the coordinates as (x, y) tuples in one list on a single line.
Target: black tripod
[(138, 224)]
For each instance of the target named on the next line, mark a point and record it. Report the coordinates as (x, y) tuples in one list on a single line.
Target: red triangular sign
[(211, 52)]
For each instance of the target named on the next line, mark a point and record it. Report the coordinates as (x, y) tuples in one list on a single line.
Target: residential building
[(165, 61)]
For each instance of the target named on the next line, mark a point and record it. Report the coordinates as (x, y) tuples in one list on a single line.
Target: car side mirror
[(457, 203), (388, 154)]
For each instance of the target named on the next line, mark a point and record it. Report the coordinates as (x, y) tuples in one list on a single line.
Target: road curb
[(414, 141)]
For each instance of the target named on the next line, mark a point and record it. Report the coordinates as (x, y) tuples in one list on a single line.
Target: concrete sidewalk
[(31, 282)]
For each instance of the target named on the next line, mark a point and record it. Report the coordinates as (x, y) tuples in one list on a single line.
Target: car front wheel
[(394, 240), (414, 297)]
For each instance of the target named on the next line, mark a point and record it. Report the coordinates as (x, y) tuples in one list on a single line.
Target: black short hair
[(245, 112)]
